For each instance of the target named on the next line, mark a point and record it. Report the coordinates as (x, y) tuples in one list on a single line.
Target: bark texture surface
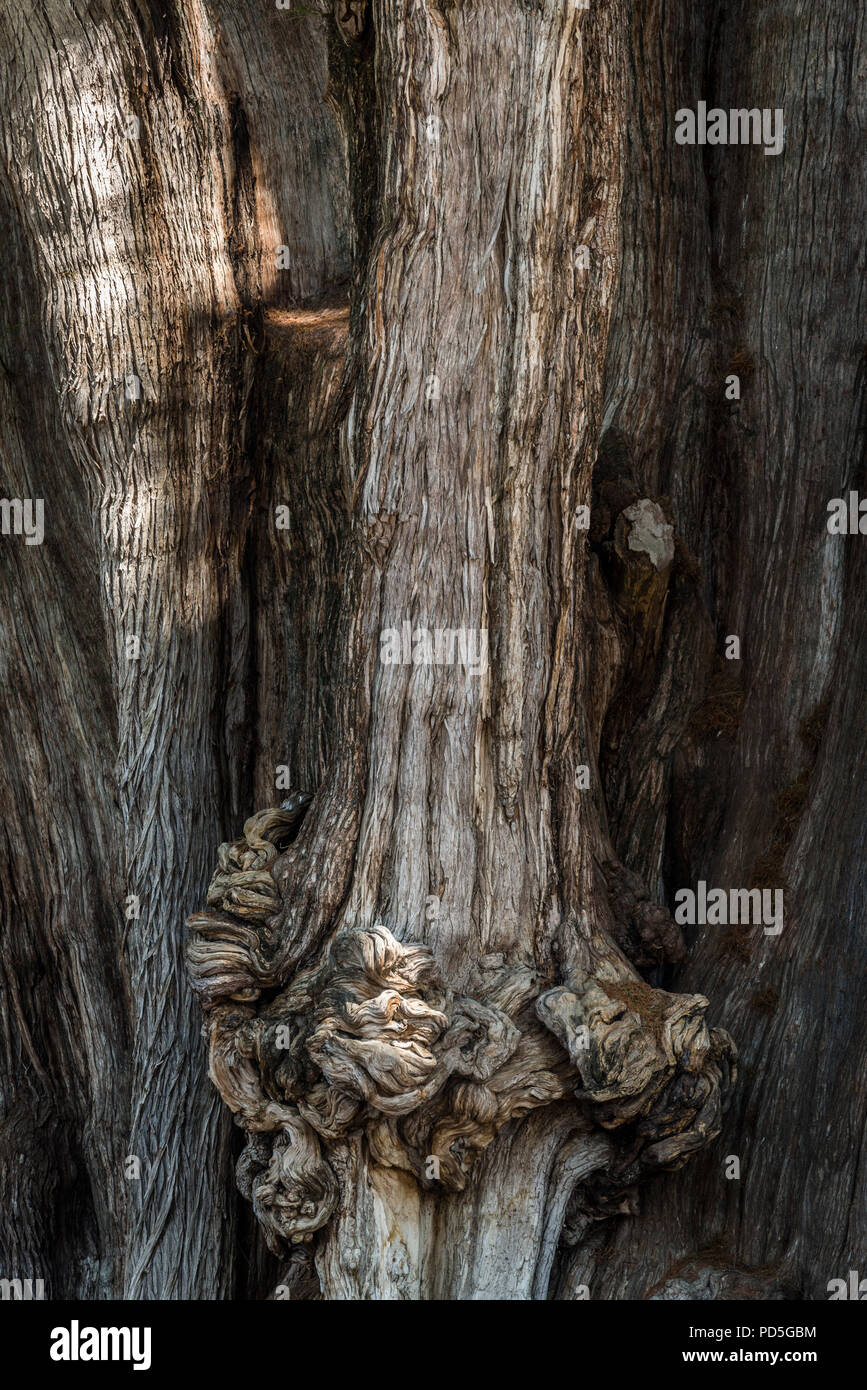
[(324, 323)]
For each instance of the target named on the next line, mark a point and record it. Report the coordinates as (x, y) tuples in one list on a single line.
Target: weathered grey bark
[(432, 384)]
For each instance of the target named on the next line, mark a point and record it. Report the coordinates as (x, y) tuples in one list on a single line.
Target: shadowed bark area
[(145, 230), (326, 326), (766, 787)]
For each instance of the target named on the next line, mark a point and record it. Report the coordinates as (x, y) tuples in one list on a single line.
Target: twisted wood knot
[(371, 1038)]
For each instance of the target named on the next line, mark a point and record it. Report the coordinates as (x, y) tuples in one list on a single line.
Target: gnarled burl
[(369, 1040)]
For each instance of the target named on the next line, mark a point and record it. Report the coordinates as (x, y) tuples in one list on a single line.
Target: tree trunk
[(373, 362)]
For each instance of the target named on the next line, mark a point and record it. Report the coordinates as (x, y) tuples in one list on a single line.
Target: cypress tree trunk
[(374, 363)]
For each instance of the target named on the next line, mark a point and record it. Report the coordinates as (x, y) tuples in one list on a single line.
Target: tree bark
[(330, 327)]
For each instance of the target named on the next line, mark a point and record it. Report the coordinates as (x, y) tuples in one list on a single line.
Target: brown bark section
[(431, 385), (147, 252), (766, 787), (464, 914)]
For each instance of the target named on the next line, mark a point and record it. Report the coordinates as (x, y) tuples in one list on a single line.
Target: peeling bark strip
[(341, 329)]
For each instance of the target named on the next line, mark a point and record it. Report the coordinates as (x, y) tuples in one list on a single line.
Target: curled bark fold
[(371, 1039)]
